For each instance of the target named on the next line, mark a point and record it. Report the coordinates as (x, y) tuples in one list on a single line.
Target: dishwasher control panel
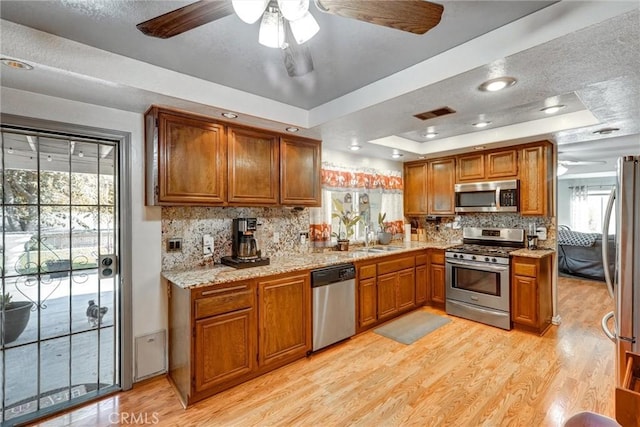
[(332, 274)]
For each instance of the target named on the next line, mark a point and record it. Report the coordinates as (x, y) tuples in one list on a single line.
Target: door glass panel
[(59, 215)]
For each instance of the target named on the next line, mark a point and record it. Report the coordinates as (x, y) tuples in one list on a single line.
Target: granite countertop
[(217, 274), (533, 253)]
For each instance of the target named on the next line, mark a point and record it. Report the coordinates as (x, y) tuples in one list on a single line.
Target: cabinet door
[(421, 284), (534, 185), (524, 303), (406, 289), (367, 302), (254, 167), (470, 168), (300, 172), (502, 164), (284, 321), (437, 283), (225, 348), (191, 161), (415, 189), (387, 295), (441, 192)]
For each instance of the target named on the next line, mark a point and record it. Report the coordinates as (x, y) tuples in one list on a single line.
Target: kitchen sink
[(380, 249)]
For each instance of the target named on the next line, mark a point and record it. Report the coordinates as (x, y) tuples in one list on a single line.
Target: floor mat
[(411, 327)]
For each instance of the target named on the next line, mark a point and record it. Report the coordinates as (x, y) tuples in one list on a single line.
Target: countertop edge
[(219, 274)]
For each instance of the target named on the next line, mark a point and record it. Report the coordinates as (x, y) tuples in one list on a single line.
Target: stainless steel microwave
[(492, 196)]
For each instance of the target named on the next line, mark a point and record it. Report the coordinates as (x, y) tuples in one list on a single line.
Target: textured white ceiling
[(583, 54)]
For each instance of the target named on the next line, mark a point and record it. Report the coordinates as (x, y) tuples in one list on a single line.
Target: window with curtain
[(365, 192), (588, 206)]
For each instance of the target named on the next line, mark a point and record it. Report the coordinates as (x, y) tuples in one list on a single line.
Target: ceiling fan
[(565, 162), (288, 24)]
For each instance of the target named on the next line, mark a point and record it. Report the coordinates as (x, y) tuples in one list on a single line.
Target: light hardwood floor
[(462, 374)]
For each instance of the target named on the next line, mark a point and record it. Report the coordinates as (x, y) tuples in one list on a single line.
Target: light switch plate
[(542, 233), (207, 245)]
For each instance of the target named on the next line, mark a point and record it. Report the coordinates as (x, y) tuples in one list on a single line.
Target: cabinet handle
[(219, 291)]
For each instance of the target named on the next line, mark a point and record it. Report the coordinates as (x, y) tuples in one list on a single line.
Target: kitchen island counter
[(219, 274)]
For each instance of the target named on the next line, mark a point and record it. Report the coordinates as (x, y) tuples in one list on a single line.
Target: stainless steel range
[(478, 275)]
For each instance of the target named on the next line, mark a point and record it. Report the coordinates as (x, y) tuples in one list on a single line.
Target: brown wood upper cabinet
[(441, 180), (536, 180), (415, 189), (494, 165), (254, 159), (300, 172), (196, 160), (186, 159)]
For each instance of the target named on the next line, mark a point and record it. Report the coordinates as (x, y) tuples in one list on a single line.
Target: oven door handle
[(487, 267)]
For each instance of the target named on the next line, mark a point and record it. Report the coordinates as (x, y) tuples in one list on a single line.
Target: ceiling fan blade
[(414, 16), (297, 58), (186, 18)]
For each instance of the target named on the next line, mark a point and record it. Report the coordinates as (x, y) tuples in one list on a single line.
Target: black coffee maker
[(244, 247)]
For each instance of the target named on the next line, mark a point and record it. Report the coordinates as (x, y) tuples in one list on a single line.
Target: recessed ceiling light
[(421, 157), (606, 131), (14, 63), (292, 129), (553, 109), (482, 124), (431, 135), (495, 85), (479, 147), (354, 147), (397, 155), (229, 115), (10, 150)]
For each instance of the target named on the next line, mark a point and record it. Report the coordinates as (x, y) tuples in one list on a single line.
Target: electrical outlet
[(207, 245), (304, 236), (542, 233), (276, 237), (174, 245)]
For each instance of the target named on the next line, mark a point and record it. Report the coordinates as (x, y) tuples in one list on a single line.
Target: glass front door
[(59, 313)]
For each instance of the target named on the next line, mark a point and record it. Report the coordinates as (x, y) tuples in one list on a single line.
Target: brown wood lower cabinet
[(437, 275), (215, 363), (531, 304), (386, 288), (422, 287), (223, 335), (284, 322)]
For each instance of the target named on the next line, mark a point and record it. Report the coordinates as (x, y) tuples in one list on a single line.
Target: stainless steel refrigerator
[(624, 282)]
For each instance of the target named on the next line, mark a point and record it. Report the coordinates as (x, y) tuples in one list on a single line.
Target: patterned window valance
[(343, 179)]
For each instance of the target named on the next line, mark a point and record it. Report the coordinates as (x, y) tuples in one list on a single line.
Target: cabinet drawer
[(395, 265), (224, 300), (367, 271), (421, 259), (437, 257), (528, 270)]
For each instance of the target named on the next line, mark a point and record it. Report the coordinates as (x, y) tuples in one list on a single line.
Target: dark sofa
[(577, 258)]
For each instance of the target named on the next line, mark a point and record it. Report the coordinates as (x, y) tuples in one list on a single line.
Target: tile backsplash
[(449, 229), (191, 223)]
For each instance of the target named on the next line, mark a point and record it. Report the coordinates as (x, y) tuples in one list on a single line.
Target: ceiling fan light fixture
[(292, 10), (305, 28), (553, 109), (249, 11), (497, 84), (271, 29)]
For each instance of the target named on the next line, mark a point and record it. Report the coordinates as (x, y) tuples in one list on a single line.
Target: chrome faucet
[(366, 236)]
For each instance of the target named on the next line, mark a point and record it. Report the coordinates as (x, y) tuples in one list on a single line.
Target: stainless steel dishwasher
[(334, 304)]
